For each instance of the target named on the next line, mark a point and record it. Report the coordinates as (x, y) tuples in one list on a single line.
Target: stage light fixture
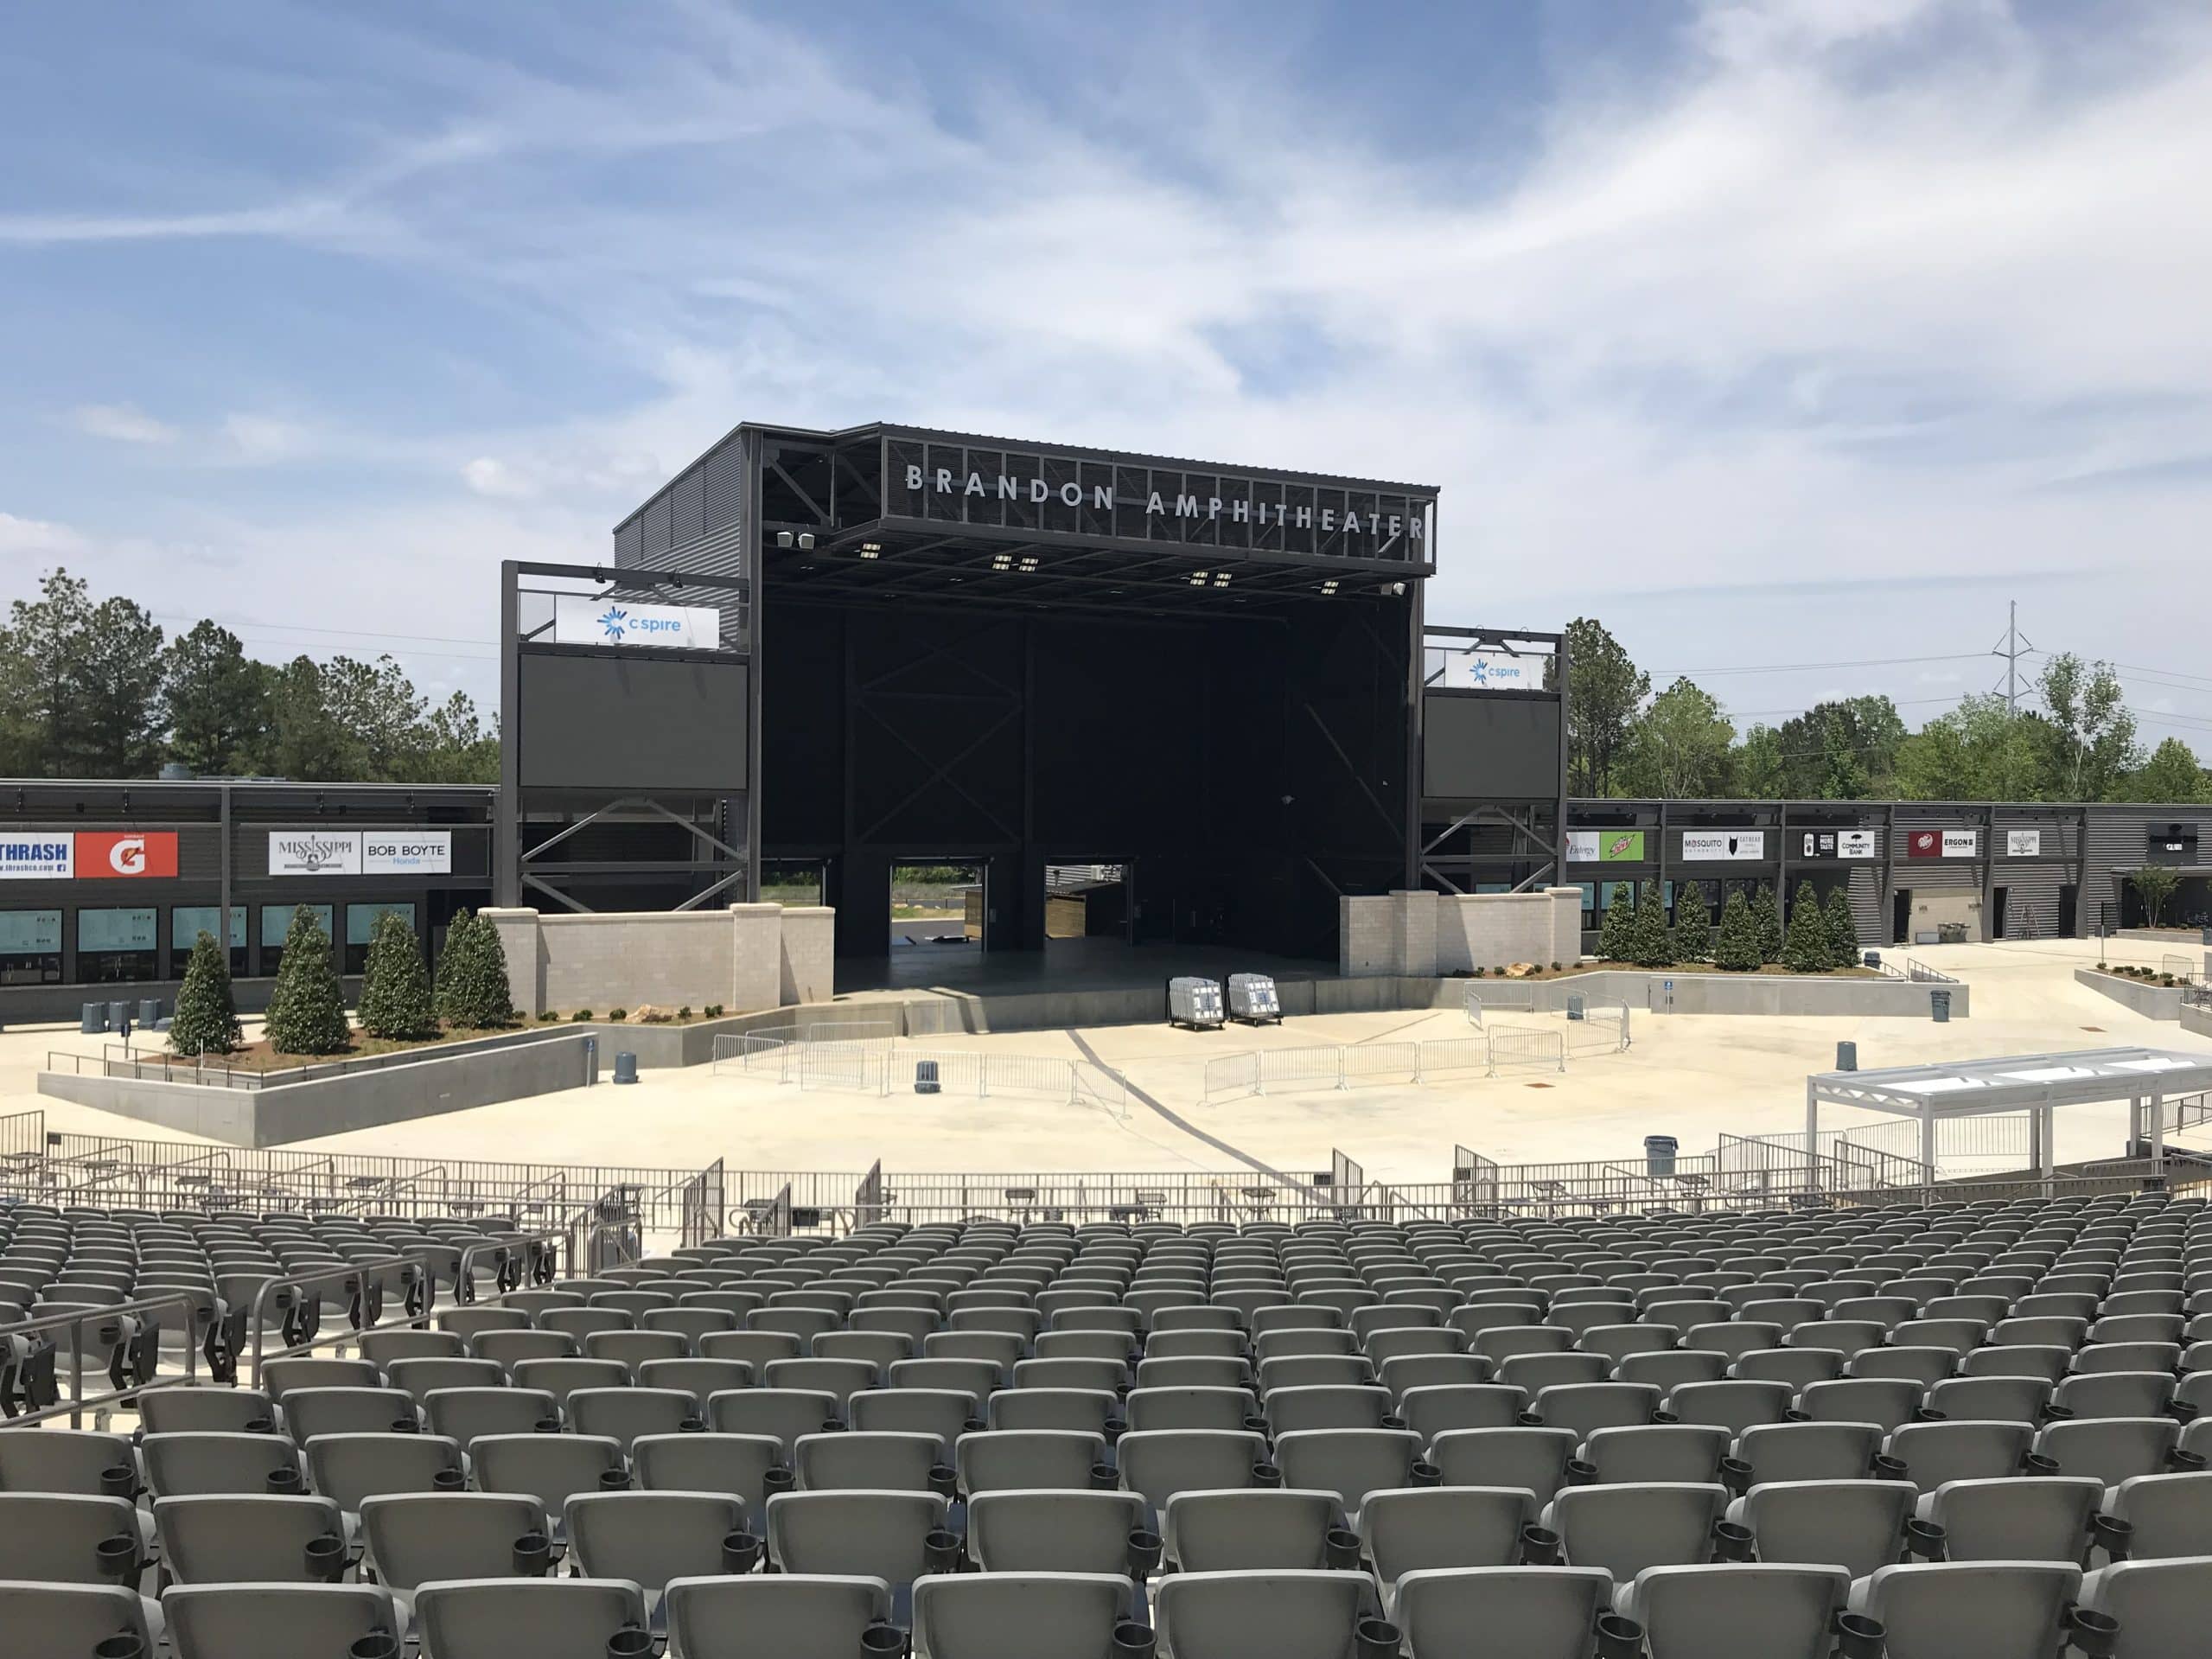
[(784, 538), (1329, 587), (872, 550), (807, 542)]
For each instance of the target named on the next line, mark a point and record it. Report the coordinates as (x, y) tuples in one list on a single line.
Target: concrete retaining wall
[(2196, 1018), (38, 1005), (363, 1099), (2151, 1001), (744, 957), (1422, 935)]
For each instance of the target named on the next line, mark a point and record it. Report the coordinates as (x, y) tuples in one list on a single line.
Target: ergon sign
[(36, 855), (579, 619), (361, 852), (1723, 847), (1943, 843)]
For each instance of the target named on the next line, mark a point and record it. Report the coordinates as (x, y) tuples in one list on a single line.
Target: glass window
[(118, 945), (30, 946), (187, 922), (360, 927), (1589, 902), (276, 922)]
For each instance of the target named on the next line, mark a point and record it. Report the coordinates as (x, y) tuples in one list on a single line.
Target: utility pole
[(2012, 648)]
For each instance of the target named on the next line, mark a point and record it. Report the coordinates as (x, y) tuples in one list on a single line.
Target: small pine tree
[(205, 1021), (1692, 923), (471, 987), (395, 988), (1806, 950), (1843, 929), (1617, 938), (307, 1008), (1652, 946), (1737, 947), (1766, 916)]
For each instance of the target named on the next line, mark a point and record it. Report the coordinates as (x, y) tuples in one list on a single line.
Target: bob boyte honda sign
[(579, 619), (361, 852)]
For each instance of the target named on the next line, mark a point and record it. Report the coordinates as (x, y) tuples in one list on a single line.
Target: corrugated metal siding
[(2119, 841), (687, 508), (723, 478), (1870, 906), (630, 544), (658, 518)]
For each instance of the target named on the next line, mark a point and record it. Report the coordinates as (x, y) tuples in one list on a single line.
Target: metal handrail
[(464, 1285), (258, 1319), (74, 1320)]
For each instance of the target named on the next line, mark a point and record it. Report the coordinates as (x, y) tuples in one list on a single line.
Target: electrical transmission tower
[(2012, 648)]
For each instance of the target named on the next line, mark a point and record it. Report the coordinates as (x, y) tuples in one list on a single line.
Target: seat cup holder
[(1887, 1468), (450, 1480), (776, 1482), (377, 1644), (1733, 1541), (943, 1480), (1254, 1423), (118, 1480), (285, 1482), (2095, 1634), (1858, 1636), (260, 1426), (533, 1554), (326, 1558), (2034, 1463), (881, 1641), (117, 1558), (692, 1422), (1735, 1475), (1424, 1473), (1376, 1638), (1132, 1640), (1266, 1474), (1930, 1414), (1392, 1419), (1105, 1478), (1791, 1415), (1539, 1547), (1528, 1420), (1144, 1548), (1343, 1546), (547, 1425), (740, 1551), (1580, 1472), (1925, 1541), (2185, 1463), (1618, 1637), (405, 1426), (614, 1480), (831, 1425), (631, 1643), (122, 1645), (942, 1550), (2112, 1535)]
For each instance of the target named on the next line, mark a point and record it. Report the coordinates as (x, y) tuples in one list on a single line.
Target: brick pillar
[(755, 957), (809, 944)]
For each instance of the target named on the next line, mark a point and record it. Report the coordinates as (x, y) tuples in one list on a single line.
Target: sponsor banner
[(407, 853), (105, 856), (1723, 847), (315, 852), (580, 620), (1855, 844), (1605, 847), (1496, 671), (1817, 843), (37, 855), (2024, 843), (1942, 844)]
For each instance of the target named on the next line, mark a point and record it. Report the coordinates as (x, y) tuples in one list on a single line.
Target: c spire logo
[(613, 620)]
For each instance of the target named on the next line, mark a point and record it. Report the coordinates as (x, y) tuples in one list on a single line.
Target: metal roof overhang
[(2014, 1083)]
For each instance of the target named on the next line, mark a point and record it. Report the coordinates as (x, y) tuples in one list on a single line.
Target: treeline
[(2078, 743), (96, 689)]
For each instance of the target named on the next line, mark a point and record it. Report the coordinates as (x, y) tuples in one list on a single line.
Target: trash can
[(1574, 1005), (93, 1020), (1658, 1156), (925, 1078), (118, 1018), (1846, 1056), (1872, 959), (625, 1066), (149, 1011), (1939, 1007)]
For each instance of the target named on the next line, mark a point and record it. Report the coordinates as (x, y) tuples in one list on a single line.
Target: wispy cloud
[(124, 423)]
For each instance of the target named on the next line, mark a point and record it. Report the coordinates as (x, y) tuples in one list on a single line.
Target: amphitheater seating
[(1665, 1434)]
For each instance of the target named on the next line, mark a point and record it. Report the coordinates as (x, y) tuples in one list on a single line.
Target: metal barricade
[(1526, 1045), (73, 1321)]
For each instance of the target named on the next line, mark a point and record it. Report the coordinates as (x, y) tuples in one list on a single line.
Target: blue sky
[(1772, 332)]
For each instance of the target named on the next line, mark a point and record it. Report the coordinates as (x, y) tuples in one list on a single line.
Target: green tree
[(1843, 929), (2096, 731), (472, 984), (1806, 950), (1652, 948), (85, 683), (2154, 885), (1766, 916), (217, 701), (457, 746), (2171, 774), (1737, 947), (1693, 922), (1981, 750), (395, 986), (1759, 771), (1678, 747), (1840, 750), (306, 1007), (205, 1020), (382, 714), (1616, 934), (1604, 690)]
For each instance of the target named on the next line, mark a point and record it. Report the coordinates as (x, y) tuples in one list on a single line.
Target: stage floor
[(1065, 964)]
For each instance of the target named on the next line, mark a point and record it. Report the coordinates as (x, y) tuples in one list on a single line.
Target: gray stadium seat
[(1625, 1530), (1422, 1530), (1990, 1610), (1054, 1532), (1017, 1615), (1529, 1612), (275, 1621), (783, 1616), (1278, 1615), (2164, 1607), (546, 1618), (2014, 1519), (1236, 1531), (234, 1539), (1775, 1611), (1856, 1524)]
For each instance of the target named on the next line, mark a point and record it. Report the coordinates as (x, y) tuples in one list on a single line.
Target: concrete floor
[(1689, 1076)]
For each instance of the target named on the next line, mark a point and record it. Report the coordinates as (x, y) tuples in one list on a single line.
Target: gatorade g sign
[(106, 857)]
